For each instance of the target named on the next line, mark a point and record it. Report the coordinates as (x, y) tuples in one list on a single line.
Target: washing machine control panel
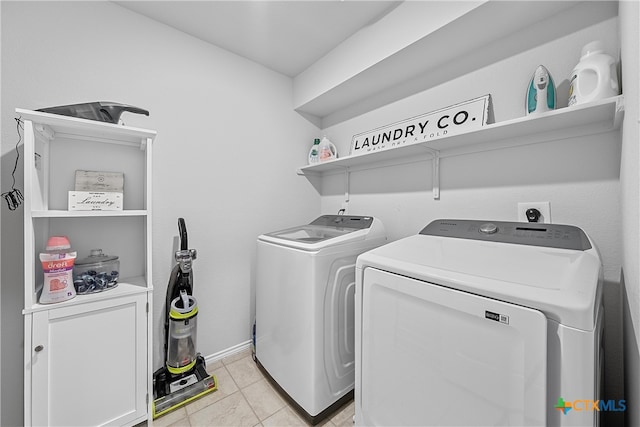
[(523, 233), (344, 221)]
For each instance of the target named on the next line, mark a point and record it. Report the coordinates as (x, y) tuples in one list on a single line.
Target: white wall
[(373, 44), (571, 174), (0, 239), (630, 194), (225, 157), (579, 176)]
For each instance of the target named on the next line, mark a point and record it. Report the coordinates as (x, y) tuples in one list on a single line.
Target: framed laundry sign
[(452, 120), (95, 201)]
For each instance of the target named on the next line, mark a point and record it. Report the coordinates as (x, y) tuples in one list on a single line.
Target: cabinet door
[(89, 363)]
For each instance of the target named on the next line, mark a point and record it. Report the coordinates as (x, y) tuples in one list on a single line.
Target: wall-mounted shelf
[(587, 119)]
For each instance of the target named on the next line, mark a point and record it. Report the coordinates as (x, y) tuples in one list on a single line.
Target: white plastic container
[(328, 151), (314, 153), (57, 264), (594, 77)]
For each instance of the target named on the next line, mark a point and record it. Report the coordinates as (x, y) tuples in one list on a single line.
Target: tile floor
[(244, 398)]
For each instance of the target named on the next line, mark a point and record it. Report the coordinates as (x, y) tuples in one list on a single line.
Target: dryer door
[(431, 355)]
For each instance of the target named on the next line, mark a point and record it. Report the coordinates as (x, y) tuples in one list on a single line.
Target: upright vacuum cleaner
[(184, 377)]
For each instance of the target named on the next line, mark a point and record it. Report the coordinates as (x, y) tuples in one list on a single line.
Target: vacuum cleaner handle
[(182, 228), (104, 111), (114, 110)]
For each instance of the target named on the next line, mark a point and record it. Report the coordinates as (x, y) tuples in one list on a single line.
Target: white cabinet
[(87, 361)]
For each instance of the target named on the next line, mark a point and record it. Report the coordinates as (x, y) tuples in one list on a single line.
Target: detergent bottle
[(57, 263), (594, 77), (328, 151), (314, 153)]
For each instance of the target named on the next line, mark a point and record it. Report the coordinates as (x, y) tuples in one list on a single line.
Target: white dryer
[(475, 323), (305, 284)]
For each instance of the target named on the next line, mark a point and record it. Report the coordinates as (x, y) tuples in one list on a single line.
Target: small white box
[(95, 201)]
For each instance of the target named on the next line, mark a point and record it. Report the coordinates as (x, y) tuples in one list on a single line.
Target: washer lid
[(327, 230), (565, 284)]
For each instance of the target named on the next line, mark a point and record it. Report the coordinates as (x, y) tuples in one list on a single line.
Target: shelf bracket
[(45, 131), (435, 170), (347, 187), (619, 112)]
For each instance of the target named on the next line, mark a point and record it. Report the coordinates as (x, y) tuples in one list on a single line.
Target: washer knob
[(488, 228)]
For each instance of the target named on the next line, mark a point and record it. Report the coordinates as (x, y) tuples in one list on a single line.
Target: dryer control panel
[(522, 233)]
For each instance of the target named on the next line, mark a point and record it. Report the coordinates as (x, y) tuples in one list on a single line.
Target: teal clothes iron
[(541, 92)]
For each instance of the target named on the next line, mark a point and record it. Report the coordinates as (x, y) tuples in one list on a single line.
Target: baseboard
[(212, 358)]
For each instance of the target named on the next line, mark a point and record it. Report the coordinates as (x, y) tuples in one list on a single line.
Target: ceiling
[(285, 36)]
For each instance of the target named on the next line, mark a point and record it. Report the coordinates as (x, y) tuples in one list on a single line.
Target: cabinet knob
[(39, 348)]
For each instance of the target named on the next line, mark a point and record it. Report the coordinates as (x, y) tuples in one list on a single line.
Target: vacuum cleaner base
[(181, 390)]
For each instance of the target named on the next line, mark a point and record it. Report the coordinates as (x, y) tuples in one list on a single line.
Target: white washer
[(474, 323), (305, 282)]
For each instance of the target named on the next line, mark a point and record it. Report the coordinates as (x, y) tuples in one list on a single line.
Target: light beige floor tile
[(180, 423), (231, 411), (170, 418), (244, 371), (226, 387), (285, 417), (264, 400), (237, 356), (213, 366), (344, 416)]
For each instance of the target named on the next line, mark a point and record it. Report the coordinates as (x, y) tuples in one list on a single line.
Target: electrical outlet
[(543, 207)]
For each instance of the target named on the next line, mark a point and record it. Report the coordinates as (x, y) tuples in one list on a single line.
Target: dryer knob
[(488, 228)]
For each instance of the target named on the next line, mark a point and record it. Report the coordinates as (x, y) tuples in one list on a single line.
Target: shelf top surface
[(60, 213), (126, 287), (84, 127)]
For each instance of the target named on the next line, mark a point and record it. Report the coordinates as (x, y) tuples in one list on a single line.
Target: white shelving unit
[(87, 361), (587, 119)]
